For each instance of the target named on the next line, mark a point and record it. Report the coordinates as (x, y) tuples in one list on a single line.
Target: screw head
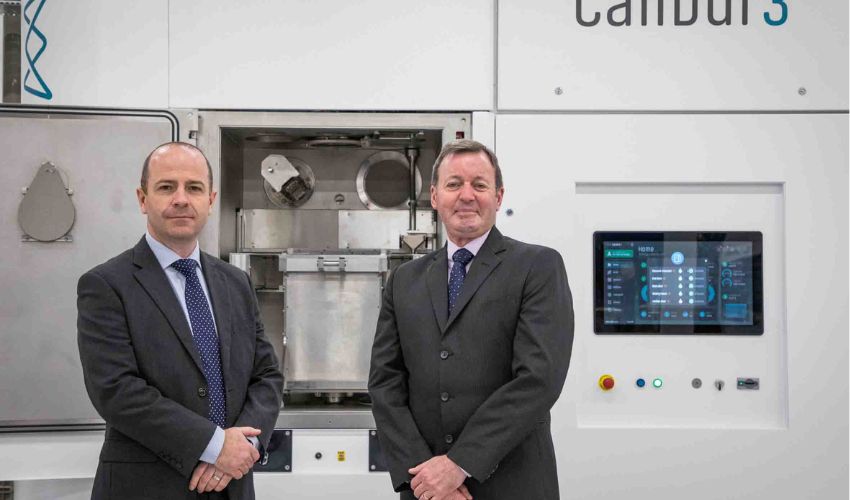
[(801, 91), (558, 91), (509, 212)]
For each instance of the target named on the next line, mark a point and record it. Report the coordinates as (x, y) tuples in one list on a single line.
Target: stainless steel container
[(331, 308)]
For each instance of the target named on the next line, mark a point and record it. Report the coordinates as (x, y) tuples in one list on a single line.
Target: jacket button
[(444, 396), (202, 392), (449, 439), (444, 354)]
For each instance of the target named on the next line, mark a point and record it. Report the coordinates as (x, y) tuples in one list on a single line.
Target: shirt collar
[(167, 256), (473, 246)]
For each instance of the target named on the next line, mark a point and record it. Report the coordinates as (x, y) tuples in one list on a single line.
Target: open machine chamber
[(318, 208)]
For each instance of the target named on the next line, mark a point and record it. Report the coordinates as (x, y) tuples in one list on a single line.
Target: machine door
[(69, 178)]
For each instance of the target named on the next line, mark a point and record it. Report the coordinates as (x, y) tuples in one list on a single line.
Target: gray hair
[(463, 146), (146, 166)]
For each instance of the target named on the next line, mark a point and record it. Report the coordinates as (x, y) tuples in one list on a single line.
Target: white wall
[(295, 54), (98, 53), (406, 55), (744, 67)]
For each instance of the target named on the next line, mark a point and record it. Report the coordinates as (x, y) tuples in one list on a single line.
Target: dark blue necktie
[(461, 258), (206, 341)]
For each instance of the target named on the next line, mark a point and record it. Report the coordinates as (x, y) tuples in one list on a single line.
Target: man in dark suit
[(471, 351), (173, 351)]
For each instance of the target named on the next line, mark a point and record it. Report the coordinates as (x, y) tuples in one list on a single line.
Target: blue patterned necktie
[(461, 258), (206, 341)]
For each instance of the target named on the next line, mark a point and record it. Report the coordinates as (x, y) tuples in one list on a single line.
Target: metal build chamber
[(331, 302), (316, 207)]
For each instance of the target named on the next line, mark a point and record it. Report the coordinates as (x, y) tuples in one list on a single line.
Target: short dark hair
[(146, 166), (463, 146)]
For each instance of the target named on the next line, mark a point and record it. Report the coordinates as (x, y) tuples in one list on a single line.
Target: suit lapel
[(438, 289), (153, 279), (485, 261), (220, 297)]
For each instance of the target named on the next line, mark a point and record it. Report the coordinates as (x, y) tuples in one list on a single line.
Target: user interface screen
[(678, 283)]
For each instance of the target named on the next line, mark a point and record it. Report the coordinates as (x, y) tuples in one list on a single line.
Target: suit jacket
[(477, 384), (145, 377)]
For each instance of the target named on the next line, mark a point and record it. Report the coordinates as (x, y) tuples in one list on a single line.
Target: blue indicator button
[(640, 382)]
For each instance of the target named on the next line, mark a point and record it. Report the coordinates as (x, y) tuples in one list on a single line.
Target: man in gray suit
[(173, 351), (471, 351)]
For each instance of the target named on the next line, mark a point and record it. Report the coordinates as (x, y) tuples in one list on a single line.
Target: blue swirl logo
[(42, 90)]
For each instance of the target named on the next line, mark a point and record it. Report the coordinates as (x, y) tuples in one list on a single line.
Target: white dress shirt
[(166, 256), (473, 246)]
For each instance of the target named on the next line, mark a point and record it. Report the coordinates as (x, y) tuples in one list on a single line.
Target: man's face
[(179, 198), (466, 196)]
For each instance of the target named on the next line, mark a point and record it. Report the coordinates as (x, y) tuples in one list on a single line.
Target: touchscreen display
[(678, 282)]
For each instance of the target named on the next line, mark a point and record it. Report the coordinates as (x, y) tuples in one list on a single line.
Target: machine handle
[(331, 265)]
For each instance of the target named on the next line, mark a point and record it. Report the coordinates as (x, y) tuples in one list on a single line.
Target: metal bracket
[(278, 456), (68, 238), (377, 462), (190, 125)]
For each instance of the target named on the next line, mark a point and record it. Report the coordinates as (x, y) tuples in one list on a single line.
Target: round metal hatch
[(383, 181)]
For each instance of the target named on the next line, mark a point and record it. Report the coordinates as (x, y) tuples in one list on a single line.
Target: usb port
[(748, 383)]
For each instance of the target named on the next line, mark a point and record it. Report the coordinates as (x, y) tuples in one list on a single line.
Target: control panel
[(678, 283)]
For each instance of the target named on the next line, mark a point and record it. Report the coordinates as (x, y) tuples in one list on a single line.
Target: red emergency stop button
[(606, 382)]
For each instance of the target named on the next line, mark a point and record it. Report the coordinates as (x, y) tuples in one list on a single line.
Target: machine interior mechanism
[(318, 217)]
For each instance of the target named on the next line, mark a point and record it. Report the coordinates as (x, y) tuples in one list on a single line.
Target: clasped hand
[(439, 478), (237, 457), (208, 478)]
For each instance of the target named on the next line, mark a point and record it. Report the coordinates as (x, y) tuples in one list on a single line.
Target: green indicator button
[(625, 253), (657, 383)]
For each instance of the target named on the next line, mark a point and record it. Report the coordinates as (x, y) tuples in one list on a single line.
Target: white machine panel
[(567, 176), (330, 451), (284, 486), (95, 53), (376, 54), (549, 61), (676, 360)]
